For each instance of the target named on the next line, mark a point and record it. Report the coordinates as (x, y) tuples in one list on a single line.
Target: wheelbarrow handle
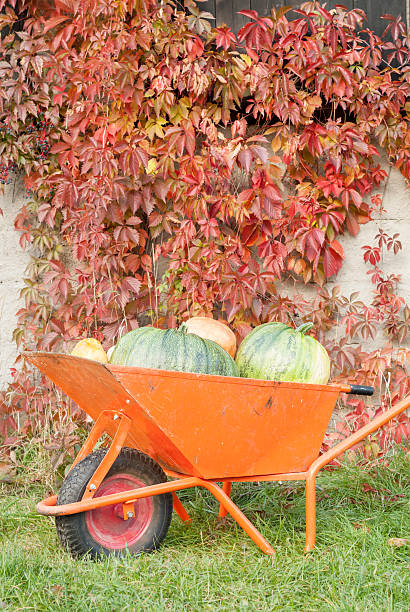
[(361, 390)]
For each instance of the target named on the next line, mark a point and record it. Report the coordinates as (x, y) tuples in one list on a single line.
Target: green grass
[(212, 565)]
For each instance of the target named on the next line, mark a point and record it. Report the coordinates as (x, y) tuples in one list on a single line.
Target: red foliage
[(135, 126)]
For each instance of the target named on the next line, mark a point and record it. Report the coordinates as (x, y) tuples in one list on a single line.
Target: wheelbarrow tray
[(211, 427)]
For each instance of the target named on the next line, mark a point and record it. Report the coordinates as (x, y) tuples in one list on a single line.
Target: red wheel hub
[(107, 525)]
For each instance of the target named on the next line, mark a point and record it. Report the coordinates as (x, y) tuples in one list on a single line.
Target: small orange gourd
[(211, 329), (90, 348)]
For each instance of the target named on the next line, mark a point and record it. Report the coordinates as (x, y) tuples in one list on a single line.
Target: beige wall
[(13, 262), (396, 201), (352, 277)]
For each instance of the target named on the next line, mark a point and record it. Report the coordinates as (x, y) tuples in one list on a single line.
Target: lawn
[(361, 562)]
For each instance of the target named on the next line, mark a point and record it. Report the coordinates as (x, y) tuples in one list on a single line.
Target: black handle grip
[(361, 390)]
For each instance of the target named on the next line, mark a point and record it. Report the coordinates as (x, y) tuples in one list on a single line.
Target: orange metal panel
[(202, 425), (92, 387), (233, 426)]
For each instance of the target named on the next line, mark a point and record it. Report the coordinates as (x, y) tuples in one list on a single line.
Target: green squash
[(275, 351), (172, 349)]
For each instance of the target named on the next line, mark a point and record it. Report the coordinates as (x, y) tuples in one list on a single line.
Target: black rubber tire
[(73, 529)]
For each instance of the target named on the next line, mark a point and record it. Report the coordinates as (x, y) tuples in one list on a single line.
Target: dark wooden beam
[(374, 9)]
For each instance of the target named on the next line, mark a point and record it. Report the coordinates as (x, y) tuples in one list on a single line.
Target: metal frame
[(48, 506)]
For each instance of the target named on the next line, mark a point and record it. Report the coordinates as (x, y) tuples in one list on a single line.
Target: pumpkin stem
[(304, 327), (183, 328)]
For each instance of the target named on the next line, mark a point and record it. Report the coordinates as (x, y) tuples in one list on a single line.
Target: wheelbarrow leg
[(98, 429), (239, 516), (180, 510), (226, 488), (310, 512), (113, 451), (334, 452), (96, 432)]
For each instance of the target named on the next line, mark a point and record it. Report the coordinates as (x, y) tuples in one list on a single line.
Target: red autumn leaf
[(371, 255), (356, 197), (260, 152), (368, 488), (333, 259), (245, 196), (250, 235), (133, 284), (107, 134), (352, 224), (224, 37), (160, 189), (310, 241), (52, 23), (245, 158)]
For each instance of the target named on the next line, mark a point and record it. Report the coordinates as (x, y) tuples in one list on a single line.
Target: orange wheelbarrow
[(195, 429)]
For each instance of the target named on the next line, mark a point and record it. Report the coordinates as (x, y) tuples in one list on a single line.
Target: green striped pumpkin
[(275, 351), (172, 349)]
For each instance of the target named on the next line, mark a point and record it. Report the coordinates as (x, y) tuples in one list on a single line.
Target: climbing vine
[(173, 168)]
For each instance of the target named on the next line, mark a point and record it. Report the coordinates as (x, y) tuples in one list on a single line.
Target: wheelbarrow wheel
[(104, 531)]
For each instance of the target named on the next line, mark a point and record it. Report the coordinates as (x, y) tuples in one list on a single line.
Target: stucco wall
[(352, 277), (13, 262), (396, 201)]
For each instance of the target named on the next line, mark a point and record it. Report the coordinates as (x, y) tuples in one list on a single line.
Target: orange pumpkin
[(210, 329)]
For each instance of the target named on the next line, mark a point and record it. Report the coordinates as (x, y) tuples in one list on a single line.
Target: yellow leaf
[(276, 143), (151, 167), (159, 131), (246, 59), (220, 78)]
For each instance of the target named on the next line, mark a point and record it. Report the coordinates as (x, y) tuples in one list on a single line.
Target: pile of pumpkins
[(272, 351)]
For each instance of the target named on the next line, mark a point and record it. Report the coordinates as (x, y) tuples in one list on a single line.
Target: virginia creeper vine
[(147, 136)]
